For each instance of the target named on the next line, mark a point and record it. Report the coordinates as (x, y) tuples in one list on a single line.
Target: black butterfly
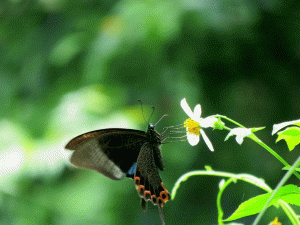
[(118, 152)]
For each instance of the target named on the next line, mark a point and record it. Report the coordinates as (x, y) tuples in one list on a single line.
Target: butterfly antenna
[(161, 119), (143, 111), (153, 109), (162, 219)]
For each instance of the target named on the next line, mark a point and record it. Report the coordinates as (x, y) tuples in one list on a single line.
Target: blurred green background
[(68, 67)]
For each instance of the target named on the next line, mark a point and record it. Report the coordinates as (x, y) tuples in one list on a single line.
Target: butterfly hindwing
[(111, 152), (147, 179)]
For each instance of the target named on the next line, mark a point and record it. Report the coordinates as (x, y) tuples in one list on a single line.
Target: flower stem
[(219, 206), (258, 141), (281, 183)]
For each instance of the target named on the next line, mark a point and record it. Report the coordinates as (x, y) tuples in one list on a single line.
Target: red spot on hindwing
[(141, 190), (160, 198), (137, 182), (154, 199), (147, 195)]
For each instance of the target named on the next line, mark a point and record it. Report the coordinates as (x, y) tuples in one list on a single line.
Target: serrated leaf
[(289, 193), (291, 135), (292, 199), (289, 167)]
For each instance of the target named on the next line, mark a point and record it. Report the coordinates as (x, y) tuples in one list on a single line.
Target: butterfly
[(118, 152)]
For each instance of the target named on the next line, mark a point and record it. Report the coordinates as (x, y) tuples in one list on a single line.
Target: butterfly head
[(154, 136), (151, 127)]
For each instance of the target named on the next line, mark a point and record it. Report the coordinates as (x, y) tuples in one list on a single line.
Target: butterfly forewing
[(83, 137), (111, 151), (89, 155)]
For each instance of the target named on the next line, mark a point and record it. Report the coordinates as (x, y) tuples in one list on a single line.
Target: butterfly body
[(120, 152)]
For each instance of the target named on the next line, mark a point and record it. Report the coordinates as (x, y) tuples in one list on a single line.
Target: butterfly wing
[(111, 152), (148, 181)]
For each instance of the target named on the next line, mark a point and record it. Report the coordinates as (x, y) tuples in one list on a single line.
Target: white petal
[(240, 131), (207, 141), (277, 127), (208, 122), (192, 138), (186, 108), (239, 139), (197, 112)]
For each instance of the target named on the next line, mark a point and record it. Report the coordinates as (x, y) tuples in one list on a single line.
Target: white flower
[(195, 123), (240, 134)]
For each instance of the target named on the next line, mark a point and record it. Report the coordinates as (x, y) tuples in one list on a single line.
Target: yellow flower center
[(275, 222), (192, 126)]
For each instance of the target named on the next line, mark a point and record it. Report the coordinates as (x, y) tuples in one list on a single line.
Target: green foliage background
[(68, 67)]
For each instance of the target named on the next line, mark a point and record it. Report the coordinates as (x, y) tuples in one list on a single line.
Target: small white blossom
[(195, 123), (240, 134)]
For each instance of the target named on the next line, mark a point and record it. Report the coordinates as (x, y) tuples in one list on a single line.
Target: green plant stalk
[(289, 212), (245, 177), (232, 121), (219, 206), (281, 183), (258, 141)]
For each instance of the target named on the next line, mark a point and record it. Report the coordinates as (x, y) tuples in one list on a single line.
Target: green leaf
[(289, 193), (291, 135), (292, 198), (289, 167), (255, 129)]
